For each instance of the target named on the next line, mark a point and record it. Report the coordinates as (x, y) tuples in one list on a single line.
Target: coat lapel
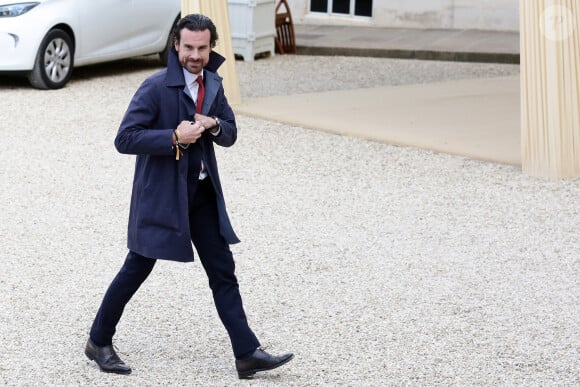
[(212, 83), (188, 102), (212, 80)]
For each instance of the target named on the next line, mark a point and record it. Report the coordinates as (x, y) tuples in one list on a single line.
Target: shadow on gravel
[(103, 70)]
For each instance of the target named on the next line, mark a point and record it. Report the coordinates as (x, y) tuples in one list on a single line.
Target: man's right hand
[(189, 132)]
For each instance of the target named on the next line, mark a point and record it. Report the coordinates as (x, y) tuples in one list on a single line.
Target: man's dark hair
[(196, 22)]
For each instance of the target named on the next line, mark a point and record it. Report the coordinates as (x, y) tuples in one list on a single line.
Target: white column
[(217, 11), (550, 75)]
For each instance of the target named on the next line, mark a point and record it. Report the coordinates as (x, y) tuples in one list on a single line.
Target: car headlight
[(11, 10)]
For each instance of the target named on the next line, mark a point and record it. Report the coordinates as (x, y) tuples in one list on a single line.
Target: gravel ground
[(374, 264)]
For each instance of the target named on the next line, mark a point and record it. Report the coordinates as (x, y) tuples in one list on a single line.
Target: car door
[(156, 19), (105, 30)]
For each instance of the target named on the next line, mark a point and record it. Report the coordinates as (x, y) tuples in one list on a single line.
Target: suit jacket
[(159, 217)]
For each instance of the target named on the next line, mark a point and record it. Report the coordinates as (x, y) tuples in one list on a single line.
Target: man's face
[(193, 49)]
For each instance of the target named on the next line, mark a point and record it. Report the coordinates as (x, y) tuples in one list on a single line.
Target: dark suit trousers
[(216, 259)]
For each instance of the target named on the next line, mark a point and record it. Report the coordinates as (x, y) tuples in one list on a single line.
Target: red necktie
[(199, 104), (200, 94)]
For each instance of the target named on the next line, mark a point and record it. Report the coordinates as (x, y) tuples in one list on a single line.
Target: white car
[(45, 39)]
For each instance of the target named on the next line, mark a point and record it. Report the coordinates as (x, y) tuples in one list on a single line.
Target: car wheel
[(163, 55), (54, 61)]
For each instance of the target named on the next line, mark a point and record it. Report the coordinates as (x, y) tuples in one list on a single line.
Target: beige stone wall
[(499, 15)]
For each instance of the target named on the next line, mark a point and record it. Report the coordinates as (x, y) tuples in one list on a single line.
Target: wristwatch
[(218, 124)]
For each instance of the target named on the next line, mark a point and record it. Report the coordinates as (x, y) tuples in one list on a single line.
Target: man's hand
[(189, 132), (207, 122)]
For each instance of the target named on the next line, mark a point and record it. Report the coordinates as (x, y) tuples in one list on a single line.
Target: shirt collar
[(190, 78)]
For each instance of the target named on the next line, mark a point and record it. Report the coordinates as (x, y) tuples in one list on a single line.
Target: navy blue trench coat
[(158, 219)]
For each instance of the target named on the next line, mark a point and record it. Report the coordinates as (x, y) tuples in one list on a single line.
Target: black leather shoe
[(106, 358), (259, 361)]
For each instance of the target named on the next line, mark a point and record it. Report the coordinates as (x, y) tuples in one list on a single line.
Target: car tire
[(54, 61), (163, 55)]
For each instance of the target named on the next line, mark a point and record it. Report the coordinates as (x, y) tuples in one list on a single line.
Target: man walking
[(171, 124)]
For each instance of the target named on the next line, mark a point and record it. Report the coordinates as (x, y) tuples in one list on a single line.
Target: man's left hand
[(207, 122)]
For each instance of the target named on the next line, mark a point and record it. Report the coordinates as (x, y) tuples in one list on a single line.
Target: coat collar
[(174, 75)]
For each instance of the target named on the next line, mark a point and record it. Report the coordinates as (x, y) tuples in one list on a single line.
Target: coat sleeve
[(137, 134), (229, 130)]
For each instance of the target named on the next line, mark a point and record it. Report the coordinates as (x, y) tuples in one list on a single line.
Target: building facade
[(498, 15)]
